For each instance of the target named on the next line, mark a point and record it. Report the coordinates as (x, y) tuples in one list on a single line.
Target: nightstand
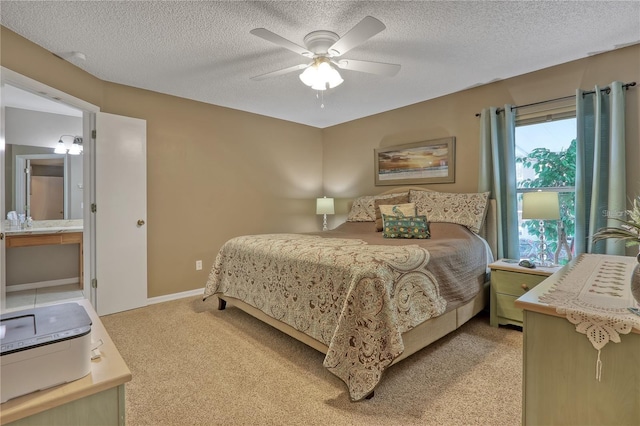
[(508, 282)]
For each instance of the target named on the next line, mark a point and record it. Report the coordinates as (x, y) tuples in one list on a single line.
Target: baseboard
[(42, 284), (175, 296)]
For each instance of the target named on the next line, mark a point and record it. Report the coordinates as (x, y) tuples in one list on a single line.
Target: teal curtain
[(600, 167), (497, 174)]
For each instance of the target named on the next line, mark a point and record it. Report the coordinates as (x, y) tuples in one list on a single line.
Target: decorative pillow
[(464, 209), (363, 209), (400, 199), (400, 210), (405, 227)]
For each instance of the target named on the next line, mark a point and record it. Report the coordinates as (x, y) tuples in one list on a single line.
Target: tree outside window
[(547, 161)]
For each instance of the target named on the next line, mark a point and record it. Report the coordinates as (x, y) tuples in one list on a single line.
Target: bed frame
[(416, 338)]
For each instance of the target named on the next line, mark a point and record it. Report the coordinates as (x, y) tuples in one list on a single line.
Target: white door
[(121, 211)]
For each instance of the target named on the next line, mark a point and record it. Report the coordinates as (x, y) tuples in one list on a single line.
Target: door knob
[(140, 222)]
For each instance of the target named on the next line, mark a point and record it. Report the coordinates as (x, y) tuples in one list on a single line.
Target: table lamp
[(541, 206), (324, 206)]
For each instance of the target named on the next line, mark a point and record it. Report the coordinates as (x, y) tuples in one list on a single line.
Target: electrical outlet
[(198, 265)]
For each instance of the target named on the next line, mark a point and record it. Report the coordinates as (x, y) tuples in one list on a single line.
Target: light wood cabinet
[(29, 240), (103, 408), (559, 370)]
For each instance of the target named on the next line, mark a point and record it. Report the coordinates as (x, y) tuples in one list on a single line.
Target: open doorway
[(113, 241), (43, 205)]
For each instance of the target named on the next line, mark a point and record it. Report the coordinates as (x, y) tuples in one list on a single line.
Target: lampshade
[(76, 147), (60, 148), (320, 74), (324, 206), (540, 205)]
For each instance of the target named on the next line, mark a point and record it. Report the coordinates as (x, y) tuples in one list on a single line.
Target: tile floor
[(25, 299)]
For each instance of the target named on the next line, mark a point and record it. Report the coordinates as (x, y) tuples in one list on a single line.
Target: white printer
[(43, 347)]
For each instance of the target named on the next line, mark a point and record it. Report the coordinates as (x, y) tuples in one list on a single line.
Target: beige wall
[(212, 172), (348, 148)]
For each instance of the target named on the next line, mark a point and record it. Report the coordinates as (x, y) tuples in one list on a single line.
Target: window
[(546, 159)]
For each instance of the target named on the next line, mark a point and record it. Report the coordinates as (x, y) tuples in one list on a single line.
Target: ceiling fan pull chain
[(320, 96)]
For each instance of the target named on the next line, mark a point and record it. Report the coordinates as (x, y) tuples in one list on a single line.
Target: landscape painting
[(416, 163)]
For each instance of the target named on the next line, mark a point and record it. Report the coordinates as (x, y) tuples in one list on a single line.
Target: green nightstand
[(508, 282)]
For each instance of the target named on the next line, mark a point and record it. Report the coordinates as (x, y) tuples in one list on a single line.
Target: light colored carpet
[(195, 365)]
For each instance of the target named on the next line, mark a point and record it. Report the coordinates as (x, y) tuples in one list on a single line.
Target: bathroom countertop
[(46, 227)]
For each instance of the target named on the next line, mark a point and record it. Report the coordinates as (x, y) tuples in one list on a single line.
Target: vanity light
[(60, 149), (76, 147)]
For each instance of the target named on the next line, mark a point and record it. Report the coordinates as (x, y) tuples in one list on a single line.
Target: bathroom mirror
[(52, 187), (31, 136)]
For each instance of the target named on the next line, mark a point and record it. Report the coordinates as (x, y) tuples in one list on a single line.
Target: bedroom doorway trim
[(23, 82)]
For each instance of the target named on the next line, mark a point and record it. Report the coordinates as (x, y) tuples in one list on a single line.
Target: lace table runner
[(595, 295)]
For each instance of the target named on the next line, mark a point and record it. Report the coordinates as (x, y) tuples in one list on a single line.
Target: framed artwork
[(431, 161)]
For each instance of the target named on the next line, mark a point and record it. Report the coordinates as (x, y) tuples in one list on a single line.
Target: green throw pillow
[(405, 227)]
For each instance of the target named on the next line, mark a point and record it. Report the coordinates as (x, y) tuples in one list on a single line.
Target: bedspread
[(356, 298)]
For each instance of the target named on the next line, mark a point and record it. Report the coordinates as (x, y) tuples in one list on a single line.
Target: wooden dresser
[(559, 375)]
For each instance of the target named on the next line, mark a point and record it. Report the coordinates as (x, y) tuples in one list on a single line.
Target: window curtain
[(497, 174), (600, 167)]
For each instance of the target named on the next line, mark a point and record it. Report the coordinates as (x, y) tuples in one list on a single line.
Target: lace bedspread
[(355, 297), (595, 295)]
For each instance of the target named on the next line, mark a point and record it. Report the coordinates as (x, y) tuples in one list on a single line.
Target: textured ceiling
[(203, 50)]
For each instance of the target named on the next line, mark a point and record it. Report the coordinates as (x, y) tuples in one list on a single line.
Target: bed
[(364, 293)]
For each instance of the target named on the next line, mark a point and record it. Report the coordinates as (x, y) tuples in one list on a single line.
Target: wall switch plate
[(198, 265)]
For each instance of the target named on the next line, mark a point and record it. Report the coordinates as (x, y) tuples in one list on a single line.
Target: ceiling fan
[(324, 48)]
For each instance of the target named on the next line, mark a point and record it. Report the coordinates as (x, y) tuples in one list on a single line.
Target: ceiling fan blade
[(379, 68), (280, 72), (363, 31), (281, 41)]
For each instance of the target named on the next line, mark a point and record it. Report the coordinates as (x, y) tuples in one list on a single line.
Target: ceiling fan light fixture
[(334, 78), (320, 74), (309, 75), (322, 45)]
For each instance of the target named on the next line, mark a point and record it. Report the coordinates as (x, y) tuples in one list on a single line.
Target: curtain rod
[(604, 89)]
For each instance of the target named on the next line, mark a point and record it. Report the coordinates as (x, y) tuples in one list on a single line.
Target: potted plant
[(629, 232)]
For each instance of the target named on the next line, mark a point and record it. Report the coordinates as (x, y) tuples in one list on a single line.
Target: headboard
[(489, 230)]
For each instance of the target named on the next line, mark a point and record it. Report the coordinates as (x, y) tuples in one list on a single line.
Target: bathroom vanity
[(47, 233)]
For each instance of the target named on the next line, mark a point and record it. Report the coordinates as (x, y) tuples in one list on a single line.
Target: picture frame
[(424, 162)]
